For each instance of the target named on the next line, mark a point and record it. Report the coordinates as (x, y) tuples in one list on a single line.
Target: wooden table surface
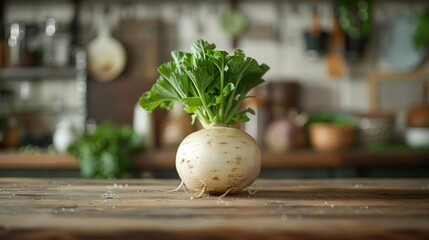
[(280, 209)]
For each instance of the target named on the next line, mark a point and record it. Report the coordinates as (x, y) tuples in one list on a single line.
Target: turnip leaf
[(210, 83)]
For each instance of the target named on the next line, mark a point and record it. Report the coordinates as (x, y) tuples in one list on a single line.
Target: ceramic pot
[(331, 137), (375, 127), (417, 137)]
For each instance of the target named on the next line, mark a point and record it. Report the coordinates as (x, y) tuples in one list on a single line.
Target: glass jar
[(22, 45), (56, 44)]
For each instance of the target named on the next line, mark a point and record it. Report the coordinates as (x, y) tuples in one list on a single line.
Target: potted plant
[(355, 19), (331, 132), (211, 84), (107, 153)]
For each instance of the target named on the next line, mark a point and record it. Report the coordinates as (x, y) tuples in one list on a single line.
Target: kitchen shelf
[(39, 110), (307, 158), (72, 80), (15, 160), (37, 73)]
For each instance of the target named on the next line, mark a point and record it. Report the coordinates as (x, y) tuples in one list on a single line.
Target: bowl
[(417, 136), (331, 136), (375, 127)]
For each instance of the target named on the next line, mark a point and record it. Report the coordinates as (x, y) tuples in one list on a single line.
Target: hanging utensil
[(106, 55), (334, 60), (316, 40), (315, 23)]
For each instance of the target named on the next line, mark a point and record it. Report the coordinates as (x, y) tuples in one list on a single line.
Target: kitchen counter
[(35, 208)]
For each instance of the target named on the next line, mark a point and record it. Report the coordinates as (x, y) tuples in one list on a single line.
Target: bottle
[(3, 46), (64, 136), (16, 44), (49, 31), (56, 44), (143, 126), (13, 134)]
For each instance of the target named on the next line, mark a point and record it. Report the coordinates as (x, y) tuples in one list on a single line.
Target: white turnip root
[(218, 160), (212, 85)]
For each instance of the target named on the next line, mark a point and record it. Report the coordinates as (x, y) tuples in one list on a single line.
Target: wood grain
[(280, 209)]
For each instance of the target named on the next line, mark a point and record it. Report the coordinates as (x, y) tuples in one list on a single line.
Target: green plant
[(107, 153), (210, 83), (355, 17), (327, 117), (421, 36)]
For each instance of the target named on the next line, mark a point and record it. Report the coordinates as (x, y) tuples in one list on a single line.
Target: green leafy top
[(210, 83)]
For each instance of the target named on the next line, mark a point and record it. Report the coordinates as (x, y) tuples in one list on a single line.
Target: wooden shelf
[(11, 160), (162, 160), (307, 159), (37, 73), (166, 160)]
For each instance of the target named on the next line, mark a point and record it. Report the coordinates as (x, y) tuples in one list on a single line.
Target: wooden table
[(280, 209)]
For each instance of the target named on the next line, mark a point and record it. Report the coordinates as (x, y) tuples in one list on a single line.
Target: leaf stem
[(231, 98), (201, 96), (206, 108), (234, 109), (222, 85), (203, 120)]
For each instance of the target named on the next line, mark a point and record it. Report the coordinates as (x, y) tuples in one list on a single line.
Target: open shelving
[(37, 73)]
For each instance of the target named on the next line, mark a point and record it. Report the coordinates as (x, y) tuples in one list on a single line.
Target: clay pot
[(331, 136)]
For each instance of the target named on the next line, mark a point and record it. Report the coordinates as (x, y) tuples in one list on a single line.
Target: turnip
[(212, 85), (218, 159)]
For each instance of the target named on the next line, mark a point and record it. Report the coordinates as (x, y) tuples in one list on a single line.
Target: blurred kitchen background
[(346, 95)]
